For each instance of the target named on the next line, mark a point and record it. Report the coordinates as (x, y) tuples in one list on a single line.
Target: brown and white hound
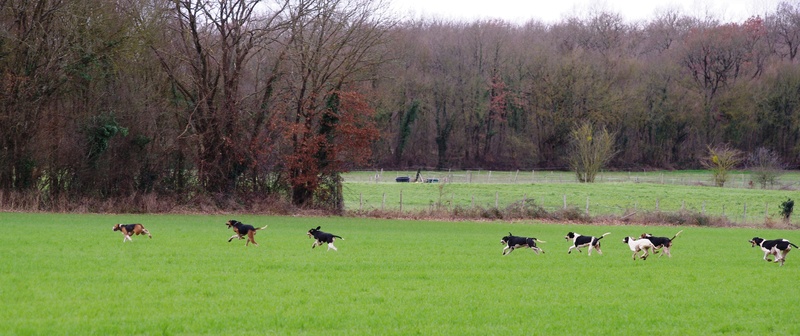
[(129, 230)]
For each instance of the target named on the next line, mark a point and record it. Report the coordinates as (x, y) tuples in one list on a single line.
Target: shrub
[(787, 207), (721, 160)]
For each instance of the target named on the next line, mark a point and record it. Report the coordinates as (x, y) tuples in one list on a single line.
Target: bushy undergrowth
[(145, 203), (529, 210), (258, 204)]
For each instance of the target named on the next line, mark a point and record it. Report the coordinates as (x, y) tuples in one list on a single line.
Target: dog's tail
[(335, 236), (541, 241), (605, 234), (262, 228), (795, 246), (676, 235)]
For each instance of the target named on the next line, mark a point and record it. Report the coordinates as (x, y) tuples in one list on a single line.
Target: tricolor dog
[(512, 242), (579, 241), (322, 237), (241, 230), (642, 244), (661, 242), (131, 229), (777, 247)]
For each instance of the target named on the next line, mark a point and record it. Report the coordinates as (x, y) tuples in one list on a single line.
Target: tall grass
[(70, 274)]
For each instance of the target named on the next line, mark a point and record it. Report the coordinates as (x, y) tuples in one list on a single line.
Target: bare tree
[(721, 160), (333, 46), (213, 43), (765, 166), (590, 150), (34, 54), (784, 27)]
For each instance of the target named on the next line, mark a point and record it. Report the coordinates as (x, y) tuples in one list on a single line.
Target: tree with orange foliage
[(331, 126)]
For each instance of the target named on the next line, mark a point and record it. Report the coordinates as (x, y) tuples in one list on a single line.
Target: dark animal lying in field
[(131, 229), (322, 237), (777, 247), (512, 242), (661, 242), (579, 241), (243, 230)]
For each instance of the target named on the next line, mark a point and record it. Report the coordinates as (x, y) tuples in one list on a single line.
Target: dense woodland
[(244, 99)]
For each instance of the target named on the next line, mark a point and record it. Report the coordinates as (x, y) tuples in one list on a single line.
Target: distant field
[(70, 274), (736, 179), (740, 205)]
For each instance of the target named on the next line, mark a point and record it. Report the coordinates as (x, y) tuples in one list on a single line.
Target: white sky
[(550, 11)]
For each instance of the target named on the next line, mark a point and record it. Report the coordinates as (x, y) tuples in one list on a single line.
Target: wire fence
[(504, 189), (788, 180)]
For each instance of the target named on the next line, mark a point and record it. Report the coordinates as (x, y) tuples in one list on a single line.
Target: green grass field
[(70, 274), (739, 205)]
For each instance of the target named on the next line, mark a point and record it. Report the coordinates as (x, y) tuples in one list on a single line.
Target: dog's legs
[(330, 246), (508, 248), (783, 259), (316, 242), (148, 233), (251, 238), (127, 237), (234, 236)]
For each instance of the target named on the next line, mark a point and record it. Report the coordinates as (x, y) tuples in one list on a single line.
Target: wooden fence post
[(744, 217), (401, 200), (587, 205), (766, 210)]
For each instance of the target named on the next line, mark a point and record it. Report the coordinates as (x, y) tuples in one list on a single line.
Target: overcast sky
[(549, 11)]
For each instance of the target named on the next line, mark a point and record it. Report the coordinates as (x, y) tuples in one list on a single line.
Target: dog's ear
[(509, 233), (317, 228)]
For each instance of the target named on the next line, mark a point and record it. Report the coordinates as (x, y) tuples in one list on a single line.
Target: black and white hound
[(777, 247), (661, 242), (241, 230), (642, 244), (129, 230), (322, 237), (512, 242), (579, 241)]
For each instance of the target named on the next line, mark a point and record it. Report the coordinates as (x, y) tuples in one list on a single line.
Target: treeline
[(248, 100), (495, 95)]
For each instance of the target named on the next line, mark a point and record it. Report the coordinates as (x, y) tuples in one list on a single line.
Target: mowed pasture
[(740, 205), (70, 274)]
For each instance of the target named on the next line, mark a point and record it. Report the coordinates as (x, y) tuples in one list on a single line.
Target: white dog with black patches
[(644, 245), (579, 241), (777, 247)]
